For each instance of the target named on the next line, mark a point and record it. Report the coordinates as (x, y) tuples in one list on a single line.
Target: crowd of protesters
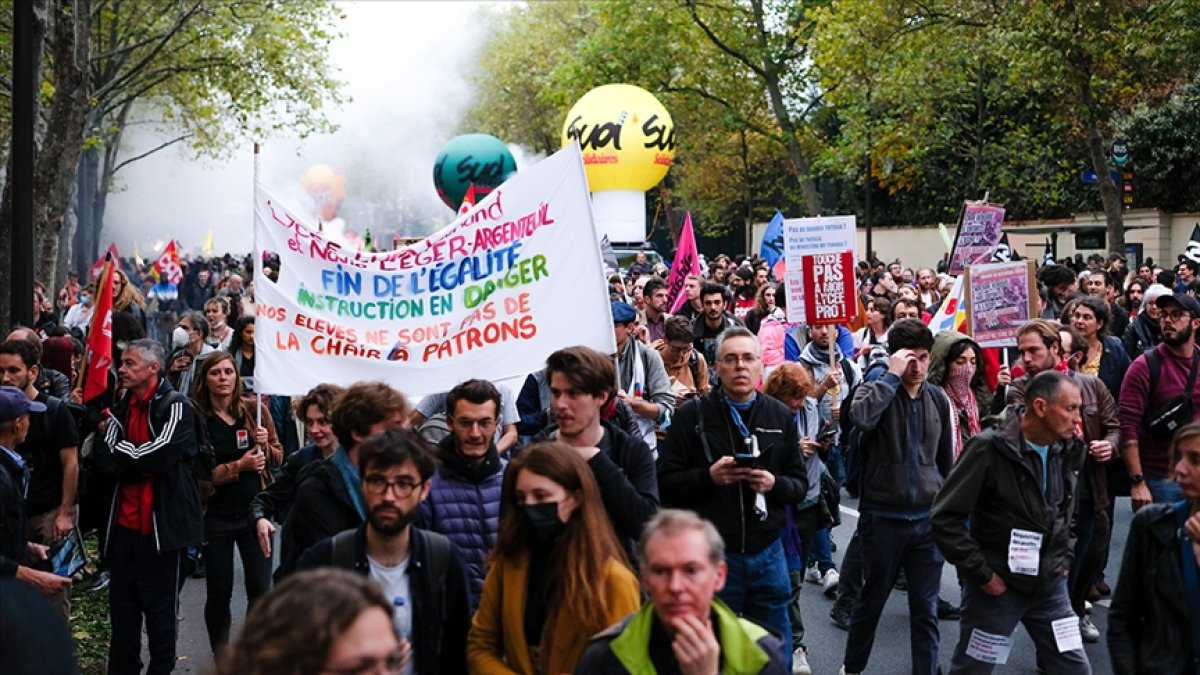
[(659, 509)]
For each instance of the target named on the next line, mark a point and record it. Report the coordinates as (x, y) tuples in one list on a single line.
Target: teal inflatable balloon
[(481, 160)]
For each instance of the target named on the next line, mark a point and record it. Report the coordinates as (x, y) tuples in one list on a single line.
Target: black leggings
[(218, 557)]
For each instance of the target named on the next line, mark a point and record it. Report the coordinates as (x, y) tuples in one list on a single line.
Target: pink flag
[(686, 262)]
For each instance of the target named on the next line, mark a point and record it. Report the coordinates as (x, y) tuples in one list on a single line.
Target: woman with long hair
[(874, 334), (558, 573), (244, 453), (956, 364), (320, 621), (764, 305), (1151, 625), (242, 346), (127, 298), (1106, 357)]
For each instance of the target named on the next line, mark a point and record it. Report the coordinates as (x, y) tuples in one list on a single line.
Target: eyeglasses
[(392, 663), (464, 423), (735, 359), (378, 485), (1177, 314)]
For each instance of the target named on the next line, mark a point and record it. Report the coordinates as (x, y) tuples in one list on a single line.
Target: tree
[(1066, 69), (211, 71), (1164, 151)]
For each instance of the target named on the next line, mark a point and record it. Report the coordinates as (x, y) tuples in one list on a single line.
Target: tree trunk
[(58, 158), (6, 195), (1109, 198), (87, 243)]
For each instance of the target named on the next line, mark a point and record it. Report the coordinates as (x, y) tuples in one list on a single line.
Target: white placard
[(490, 296), (807, 236)]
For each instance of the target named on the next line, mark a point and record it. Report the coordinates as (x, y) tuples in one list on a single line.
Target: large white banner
[(811, 236), (490, 296)]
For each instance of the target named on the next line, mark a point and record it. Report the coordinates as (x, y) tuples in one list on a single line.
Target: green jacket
[(746, 647)]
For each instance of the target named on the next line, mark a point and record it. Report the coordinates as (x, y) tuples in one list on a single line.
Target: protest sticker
[(1066, 634), (490, 296), (1024, 552), (999, 298), (829, 283), (979, 232), (989, 647), (810, 236)]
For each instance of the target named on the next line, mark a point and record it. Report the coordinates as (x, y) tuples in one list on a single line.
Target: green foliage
[(89, 620), (1165, 151)]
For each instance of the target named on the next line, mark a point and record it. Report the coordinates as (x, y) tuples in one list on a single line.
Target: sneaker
[(842, 671), (1087, 607), (829, 582), (99, 583), (947, 611), (1088, 630), (812, 575), (1093, 593), (1103, 588), (841, 615), (800, 662)]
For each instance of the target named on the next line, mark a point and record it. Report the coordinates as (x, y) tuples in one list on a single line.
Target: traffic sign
[(1089, 176), (1120, 152)]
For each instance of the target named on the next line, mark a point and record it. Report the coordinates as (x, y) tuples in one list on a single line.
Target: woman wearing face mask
[(80, 314), (216, 310), (188, 350), (558, 575), (244, 453), (956, 365)]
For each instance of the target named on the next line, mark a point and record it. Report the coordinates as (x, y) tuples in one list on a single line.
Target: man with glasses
[(687, 371), (420, 572), (733, 457), (1154, 401), (464, 494)]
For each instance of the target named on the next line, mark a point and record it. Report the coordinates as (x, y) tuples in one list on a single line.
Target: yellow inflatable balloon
[(627, 137), (327, 186)]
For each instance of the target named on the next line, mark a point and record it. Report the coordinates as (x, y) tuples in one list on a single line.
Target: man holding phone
[(686, 368), (731, 456)]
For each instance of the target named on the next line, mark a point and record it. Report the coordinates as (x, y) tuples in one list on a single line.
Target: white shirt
[(394, 581)]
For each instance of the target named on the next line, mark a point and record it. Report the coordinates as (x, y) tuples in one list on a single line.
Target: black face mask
[(540, 522)]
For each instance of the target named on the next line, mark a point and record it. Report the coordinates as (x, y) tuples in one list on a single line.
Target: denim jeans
[(757, 588), (999, 615), (889, 545)]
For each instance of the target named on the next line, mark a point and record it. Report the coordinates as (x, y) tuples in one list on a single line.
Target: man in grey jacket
[(1015, 485), (906, 451), (641, 374)]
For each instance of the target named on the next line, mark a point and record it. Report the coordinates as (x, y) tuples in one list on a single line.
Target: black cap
[(1183, 300)]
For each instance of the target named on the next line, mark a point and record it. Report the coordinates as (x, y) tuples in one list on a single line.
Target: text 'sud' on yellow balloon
[(626, 135)]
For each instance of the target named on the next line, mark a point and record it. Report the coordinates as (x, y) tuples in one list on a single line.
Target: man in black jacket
[(582, 382), (329, 499), (148, 446), (733, 457), (1016, 485), (420, 572), (906, 450)]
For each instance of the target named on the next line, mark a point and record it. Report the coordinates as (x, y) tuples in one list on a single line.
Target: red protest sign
[(829, 288)]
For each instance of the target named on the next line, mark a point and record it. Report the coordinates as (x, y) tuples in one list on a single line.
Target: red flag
[(468, 200), (99, 342), (94, 270), (687, 262), (167, 264)]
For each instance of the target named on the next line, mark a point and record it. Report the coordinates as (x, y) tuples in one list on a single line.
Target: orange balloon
[(327, 186)]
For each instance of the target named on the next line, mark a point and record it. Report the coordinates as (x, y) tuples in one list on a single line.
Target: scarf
[(135, 503), (958, 387), (349, 473), (735, 411)]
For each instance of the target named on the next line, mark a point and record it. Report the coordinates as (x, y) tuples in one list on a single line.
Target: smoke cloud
[(404, 64)]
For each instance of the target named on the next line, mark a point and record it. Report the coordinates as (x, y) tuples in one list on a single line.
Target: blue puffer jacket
[(464, 505)]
